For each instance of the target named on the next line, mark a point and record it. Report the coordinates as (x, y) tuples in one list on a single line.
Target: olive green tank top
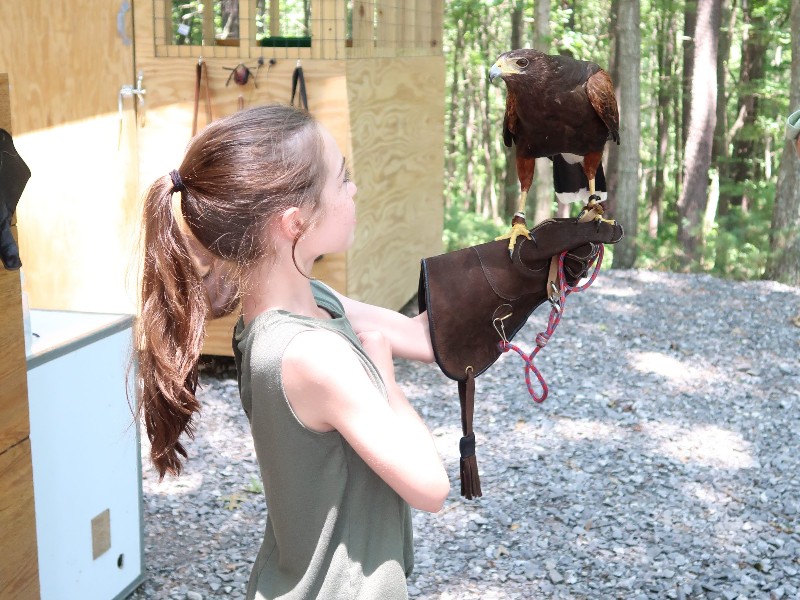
[(334, 529)]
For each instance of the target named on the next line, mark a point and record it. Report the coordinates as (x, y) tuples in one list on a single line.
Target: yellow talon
[(517, 229)]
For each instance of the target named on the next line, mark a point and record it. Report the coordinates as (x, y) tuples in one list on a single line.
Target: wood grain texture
[(76, 214), (19, 574), (397, 120), (19, 571), (14, 423), (63, 59), (5, 103)]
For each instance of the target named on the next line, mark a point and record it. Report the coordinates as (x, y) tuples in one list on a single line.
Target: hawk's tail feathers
[(571, 184)]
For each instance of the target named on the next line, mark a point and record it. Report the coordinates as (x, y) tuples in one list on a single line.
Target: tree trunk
[(489, 189), (510, 181), (629, 70), (612, 150), (702, 120), (689, 26), (453, 112), (542, 200), (754, 58), (666, 92), (783, 263)]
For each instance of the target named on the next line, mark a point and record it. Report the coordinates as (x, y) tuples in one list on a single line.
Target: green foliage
[(737, 244), (255, 486), (466, 228)]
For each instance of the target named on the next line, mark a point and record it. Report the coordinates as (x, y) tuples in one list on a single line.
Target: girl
[(259, 196)]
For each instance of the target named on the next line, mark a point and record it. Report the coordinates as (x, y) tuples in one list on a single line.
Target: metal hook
[(497, 322), (554, 297)]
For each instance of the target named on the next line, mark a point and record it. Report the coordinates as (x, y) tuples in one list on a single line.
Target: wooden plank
[(397, 134), (208, 24), (387, 12), (363, 29), (409, 25), (327, 30), (5, 104), (14, 423), (437, 19), (19, 572)]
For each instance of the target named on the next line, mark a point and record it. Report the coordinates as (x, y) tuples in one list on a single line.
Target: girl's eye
[(347, 175)]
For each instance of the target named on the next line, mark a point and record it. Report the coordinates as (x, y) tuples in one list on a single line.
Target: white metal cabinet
[(86, 456)]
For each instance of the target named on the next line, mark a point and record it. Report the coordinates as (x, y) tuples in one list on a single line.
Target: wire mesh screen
[(326, 29)]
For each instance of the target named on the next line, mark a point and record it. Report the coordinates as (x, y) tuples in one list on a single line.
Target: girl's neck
[(278, 285)]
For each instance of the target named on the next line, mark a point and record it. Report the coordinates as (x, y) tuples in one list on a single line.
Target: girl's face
[(335, 227)]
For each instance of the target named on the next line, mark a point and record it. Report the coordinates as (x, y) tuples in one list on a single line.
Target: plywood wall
[(66, 64), (386, 114), (397, 116)]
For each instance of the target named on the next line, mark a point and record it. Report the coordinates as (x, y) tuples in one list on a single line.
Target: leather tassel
[(470, 481)]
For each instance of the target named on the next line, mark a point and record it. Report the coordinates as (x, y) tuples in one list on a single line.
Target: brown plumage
[(561, 108)]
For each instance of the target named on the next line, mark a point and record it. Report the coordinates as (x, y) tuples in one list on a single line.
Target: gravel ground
[(664, 464)]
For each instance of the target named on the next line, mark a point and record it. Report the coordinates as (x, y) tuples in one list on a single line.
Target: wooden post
[(363, 28), (208, 24), (19, 573), (388, 16)]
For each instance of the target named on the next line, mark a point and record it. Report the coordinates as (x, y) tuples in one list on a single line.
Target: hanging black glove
[(14, 174)]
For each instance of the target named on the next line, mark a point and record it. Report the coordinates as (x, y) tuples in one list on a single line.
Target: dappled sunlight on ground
[(616, 292), (672, 369), (585, 429), (173, 486), (706, 445)]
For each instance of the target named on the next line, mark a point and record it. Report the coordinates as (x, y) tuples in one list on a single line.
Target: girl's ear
[(291, 222)]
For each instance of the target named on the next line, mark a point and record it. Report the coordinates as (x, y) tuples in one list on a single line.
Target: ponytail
[(238, 175), (169, 332)]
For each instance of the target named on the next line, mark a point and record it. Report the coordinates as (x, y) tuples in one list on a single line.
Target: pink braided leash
[(543, 337)]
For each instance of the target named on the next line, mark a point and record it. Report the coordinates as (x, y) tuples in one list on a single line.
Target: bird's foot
[(593, 211), (518, 228)]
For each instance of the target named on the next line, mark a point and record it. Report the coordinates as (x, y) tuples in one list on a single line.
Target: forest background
[(703, 179)]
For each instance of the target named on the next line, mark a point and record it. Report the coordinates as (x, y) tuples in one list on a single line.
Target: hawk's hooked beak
[(502, 67), (494, 72)]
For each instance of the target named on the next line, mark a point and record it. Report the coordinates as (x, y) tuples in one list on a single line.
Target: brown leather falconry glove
[(476, 297)]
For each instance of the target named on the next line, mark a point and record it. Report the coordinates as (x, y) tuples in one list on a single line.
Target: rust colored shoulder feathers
[(510, 119), (600, 90)]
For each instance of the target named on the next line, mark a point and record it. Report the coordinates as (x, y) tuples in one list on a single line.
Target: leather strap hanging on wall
[(201, 69), (299, 78)]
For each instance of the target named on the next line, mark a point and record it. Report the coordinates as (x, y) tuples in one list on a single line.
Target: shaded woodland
[(703, 179)]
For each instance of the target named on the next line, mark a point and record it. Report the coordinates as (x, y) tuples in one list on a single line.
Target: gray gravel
[(664, 464)]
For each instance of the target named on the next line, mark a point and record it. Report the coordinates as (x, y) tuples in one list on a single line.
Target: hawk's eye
[(522, 62)]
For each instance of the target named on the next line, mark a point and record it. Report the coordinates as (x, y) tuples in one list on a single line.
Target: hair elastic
[(177, 182)]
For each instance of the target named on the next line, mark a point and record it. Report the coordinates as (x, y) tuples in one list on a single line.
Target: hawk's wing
[(600, 91)]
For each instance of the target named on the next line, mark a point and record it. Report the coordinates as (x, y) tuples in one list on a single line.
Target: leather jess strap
[(299, 79), (202, 68)]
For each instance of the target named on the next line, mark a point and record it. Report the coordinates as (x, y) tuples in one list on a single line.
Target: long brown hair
[(238, 174)]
